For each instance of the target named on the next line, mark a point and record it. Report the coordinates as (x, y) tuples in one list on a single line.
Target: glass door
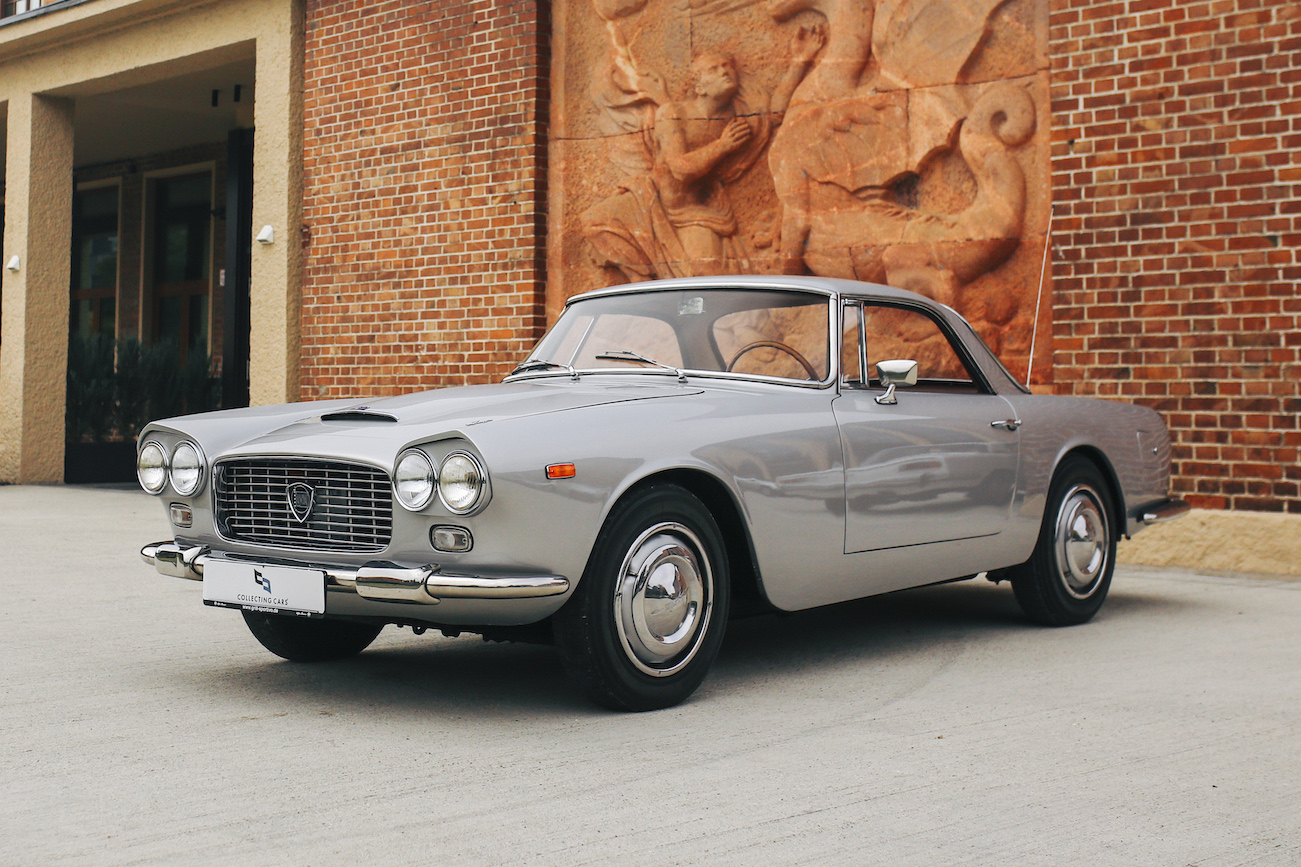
[(94, 262), (182, 261)]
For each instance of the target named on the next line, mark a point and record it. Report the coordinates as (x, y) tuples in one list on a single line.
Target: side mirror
[(894, 373)]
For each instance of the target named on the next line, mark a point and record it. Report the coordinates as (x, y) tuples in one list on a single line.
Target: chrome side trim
[(512, 587), (1163, 510), (378, 580)]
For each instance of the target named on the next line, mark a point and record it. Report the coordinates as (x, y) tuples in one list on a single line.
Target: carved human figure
[(675, 218)]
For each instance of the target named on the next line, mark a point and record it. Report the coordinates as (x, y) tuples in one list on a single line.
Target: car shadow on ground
[(898, 627), (467, 677)]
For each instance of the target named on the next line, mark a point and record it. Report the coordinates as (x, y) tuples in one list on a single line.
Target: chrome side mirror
[(892, 374)]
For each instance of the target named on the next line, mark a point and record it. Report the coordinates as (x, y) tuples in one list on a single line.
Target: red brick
[(1212, 94)]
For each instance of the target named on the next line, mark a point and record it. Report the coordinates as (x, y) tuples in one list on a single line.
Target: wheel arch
[(1116, 493), (747, 593)]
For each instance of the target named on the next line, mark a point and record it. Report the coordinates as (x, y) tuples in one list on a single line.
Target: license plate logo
[(277, 589)]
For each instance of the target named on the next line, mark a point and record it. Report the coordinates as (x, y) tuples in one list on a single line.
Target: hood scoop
[(360, 413)]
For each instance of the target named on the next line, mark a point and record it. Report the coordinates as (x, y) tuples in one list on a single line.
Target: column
[(275, 287), (34, 342)]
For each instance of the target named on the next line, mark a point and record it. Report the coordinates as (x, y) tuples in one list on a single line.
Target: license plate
[(273, 589)]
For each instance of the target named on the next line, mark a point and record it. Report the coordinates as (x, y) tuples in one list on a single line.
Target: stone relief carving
[(845, 200), (672, 216), (886, 141)]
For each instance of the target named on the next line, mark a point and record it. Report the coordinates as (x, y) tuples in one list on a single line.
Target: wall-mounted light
[(266, 236), (15, 264)]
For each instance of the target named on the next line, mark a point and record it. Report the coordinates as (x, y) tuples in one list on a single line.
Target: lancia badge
[(301, 499)]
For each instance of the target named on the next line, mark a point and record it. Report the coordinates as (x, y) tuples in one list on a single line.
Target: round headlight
[(187, 469), (460, 483), (413, 480), (151, 467)]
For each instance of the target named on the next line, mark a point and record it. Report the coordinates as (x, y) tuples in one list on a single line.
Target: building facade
[(399, 194)]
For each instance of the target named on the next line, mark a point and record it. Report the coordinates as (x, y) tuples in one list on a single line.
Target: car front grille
[(341, 506)]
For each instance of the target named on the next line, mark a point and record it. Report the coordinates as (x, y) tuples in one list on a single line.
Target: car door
[(931, 462)]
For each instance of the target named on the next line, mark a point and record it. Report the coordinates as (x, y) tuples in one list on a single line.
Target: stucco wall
[(93, 48)]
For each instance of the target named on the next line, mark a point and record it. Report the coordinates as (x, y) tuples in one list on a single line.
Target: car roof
[(821, 285)]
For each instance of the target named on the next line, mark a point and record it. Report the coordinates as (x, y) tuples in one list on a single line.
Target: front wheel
[(647, 619), (1066, 579), (300, 639)]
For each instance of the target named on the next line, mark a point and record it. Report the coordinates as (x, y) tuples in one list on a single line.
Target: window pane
[(169, 319), (699, 329), (198, 336), (771, 342), (183, 227), (94, 239), (894, 332), (191, 191), (653, 338), (83, 317), (97, 204), (850, 371), (176, 253), (108, 317), (98, 261)]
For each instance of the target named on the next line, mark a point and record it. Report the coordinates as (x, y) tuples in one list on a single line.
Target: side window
[(851, 346), (900, 332)]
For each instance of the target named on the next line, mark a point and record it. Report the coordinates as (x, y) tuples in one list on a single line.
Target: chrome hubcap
[(1083, 541), (664, 599)]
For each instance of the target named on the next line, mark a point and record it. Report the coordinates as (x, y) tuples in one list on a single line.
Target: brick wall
[(424, 160), (1176, 260)]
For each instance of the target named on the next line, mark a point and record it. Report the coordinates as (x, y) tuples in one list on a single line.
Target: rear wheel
[(301, 639), (648, 616), (1066, 579)]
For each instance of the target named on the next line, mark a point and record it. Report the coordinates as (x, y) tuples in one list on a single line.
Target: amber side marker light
[(561, 471)]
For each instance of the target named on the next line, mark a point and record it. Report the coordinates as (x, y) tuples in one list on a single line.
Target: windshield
[(780, 334)]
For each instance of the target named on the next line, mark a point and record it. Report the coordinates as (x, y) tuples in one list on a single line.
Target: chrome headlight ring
[(187, 468), (152, 467), (414, 480), (462, 483)]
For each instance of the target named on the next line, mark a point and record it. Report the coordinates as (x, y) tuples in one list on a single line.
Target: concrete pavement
[(932, 728)]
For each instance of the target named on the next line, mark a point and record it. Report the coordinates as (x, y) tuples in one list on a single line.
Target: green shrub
[(91, 389), (115, 388)]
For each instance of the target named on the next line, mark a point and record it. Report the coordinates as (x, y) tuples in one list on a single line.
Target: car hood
[(374, 431)]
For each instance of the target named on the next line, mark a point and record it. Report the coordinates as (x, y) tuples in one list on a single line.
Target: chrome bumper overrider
[(1163, 510), (378, 579)]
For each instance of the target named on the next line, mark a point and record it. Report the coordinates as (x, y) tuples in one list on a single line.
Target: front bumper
[(378, 580)]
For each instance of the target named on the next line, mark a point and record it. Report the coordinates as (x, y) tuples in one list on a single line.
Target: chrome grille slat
[(353, 508)]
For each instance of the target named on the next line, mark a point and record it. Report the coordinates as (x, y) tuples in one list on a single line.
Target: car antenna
[(1043, 270)]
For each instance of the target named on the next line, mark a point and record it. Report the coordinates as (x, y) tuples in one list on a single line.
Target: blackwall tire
[(1066, 579), (300, 639), (648, 616)]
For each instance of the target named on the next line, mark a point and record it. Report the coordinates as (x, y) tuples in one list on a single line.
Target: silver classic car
[(671, 454)]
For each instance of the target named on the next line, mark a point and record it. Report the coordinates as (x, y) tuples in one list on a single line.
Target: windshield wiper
[(628, 355), (542, 364)]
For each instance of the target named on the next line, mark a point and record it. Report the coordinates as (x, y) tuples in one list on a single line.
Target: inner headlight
[(413, 480), (461, 483), (187, 469), (151, 467)]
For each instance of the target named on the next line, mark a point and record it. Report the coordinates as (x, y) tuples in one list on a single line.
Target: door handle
[(1008, 423)]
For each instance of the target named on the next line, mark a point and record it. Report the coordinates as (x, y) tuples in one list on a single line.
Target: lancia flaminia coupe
[(671, 454)]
